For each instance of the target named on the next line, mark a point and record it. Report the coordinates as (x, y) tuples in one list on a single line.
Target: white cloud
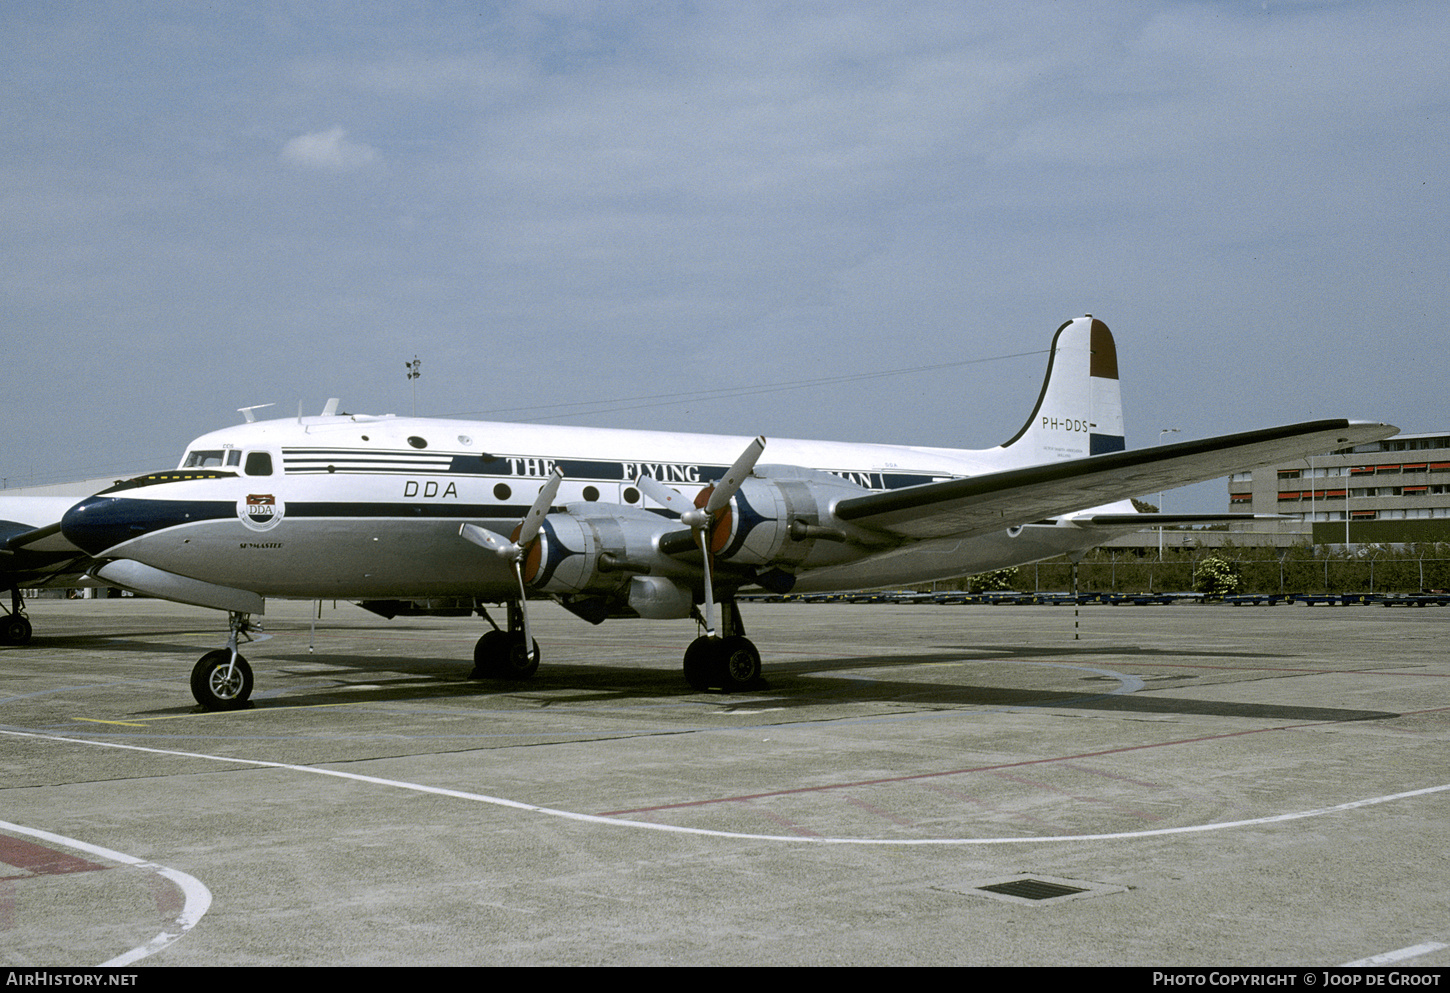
[(329, 150)]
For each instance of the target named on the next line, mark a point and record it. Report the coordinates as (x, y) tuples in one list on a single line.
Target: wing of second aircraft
[(992, 501), (33, 552)]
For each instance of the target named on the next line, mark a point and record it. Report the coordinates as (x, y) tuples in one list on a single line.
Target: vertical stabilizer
[(1080, 409)]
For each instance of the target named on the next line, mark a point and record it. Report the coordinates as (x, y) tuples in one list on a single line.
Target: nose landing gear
[(222, 679)]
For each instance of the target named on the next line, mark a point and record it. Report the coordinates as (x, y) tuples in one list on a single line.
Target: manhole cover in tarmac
[(1037, 889)]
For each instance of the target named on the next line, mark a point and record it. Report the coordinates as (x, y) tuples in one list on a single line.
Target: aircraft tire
[(486, 654), (213, 690), (729, 664), (699, 667), (499, 655), (739, 663), (16, 630), (515, 662)]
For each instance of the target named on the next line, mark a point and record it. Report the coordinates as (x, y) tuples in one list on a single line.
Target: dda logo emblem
[(260, 511)]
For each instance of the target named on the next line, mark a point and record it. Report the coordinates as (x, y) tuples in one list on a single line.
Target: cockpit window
[(204, 458), (234, 457), (259, 464)]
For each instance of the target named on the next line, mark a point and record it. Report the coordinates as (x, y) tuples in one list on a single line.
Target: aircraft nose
[(99, 523)]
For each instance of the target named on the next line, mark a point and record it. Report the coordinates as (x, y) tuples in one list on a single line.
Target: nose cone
[(98, 524)]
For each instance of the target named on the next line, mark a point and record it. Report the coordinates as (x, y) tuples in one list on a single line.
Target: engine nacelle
[(595, 548), (780, 515)]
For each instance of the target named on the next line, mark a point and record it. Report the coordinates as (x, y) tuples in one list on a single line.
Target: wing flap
[(985, 503)]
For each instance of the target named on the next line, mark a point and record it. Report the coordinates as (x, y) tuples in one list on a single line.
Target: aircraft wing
[(982, 504)]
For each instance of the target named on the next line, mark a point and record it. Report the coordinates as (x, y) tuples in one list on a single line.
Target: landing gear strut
[(730, 663), (501, 654), (222, 680), (15, 628)]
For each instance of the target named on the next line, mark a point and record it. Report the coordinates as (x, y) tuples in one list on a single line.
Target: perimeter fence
[(1298, 569)]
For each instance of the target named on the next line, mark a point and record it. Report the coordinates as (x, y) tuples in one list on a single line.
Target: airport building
[(1391, 491)]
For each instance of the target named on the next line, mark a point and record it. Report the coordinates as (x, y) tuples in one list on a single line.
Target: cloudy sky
[(840, 219)]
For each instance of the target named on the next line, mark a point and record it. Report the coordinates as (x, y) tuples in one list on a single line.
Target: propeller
[(517, 548), (706, 512)]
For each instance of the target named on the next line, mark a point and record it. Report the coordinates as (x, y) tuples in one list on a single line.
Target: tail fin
[(1080, 409)]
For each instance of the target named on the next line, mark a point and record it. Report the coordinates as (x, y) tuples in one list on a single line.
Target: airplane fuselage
[(361, 507)]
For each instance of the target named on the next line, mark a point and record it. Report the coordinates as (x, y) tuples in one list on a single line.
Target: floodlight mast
[(415, 369)]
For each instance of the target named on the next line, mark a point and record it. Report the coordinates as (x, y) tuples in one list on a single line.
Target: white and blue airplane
[(391, 511)]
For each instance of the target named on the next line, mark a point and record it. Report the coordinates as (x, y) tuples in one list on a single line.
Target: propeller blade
[(734, 477), (667, 496), (534, 519), (524, 609), (704, 539), (491, 540)]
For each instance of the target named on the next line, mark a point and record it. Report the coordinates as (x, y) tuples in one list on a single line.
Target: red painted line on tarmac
[(38, 860), (1113, 775), (786, 823), (996, 809), (916, 777), (1077, 797), (878, 811)]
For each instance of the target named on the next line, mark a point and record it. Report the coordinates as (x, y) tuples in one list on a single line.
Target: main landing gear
[(222, 680), (730, 663), (501, 654), (15, 628)]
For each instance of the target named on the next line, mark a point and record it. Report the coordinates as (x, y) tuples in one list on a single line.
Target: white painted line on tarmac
[(739, 835), (197, 896), (1399, 955)]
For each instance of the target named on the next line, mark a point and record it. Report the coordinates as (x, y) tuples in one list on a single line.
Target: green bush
[(991, 582), (1215, 576)]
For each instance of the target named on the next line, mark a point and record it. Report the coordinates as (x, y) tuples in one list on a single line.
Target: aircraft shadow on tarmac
[(786, 685), (974, 695)]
